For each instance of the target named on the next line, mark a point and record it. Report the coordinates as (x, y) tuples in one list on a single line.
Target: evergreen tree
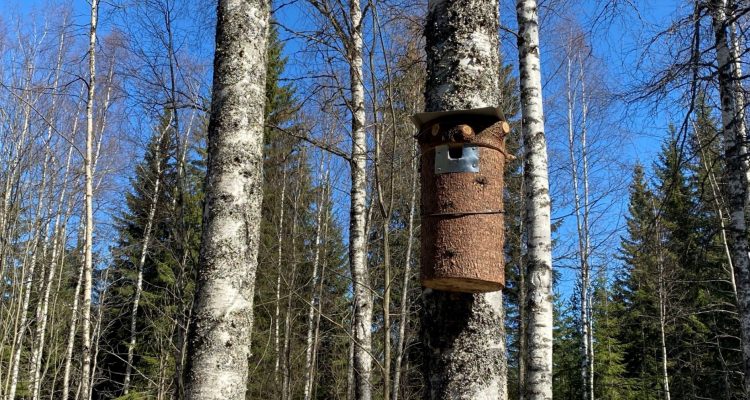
[(287, 252), (675, 283), (160, 307), (567, 383), (609, 374), (633, 291)]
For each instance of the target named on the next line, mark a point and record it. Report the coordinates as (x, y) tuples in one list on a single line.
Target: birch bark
[(463, 333), (27, 278), (539, 324), (277, 314), (42, 305), (223, 317), (314, 299), (89, 229), (357, 214), (736, 179)]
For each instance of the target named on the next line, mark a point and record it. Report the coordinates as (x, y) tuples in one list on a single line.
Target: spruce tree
[(633, 290)]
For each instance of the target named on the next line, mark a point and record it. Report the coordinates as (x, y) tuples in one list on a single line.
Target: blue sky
[(616, 43)]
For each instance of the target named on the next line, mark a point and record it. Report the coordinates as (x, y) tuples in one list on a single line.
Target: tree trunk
[(362, 317), (719, 207), (72, 336), (463, 333), (223, 317), (277, 314), (586, 230), (538, 358), (141, 264), (27, 278), (404, 317), (736, 180), (662, 336), (43, 305), (286, 382), (89, 230), (314, 299)]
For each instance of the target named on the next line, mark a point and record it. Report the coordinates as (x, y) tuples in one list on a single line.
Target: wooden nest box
[(463, 157)]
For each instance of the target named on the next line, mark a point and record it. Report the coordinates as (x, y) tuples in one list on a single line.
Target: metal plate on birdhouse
[(456, 158)]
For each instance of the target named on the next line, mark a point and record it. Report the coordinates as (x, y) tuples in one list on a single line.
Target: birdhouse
[(463, 157)]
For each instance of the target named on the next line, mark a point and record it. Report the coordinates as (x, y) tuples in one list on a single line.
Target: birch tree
[(539, 324), (362, 318), (89, 229), (736, 181), (223, 317), (463, 333)]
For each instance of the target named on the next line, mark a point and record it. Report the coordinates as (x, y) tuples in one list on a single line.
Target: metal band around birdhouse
[(468, 161)]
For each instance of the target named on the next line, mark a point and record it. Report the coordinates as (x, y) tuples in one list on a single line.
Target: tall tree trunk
[(463, 333), (404, 317), (584, 280), (89, 230), (662, 335), (27, 279), (223, 317), (586, 230), (321, 287), (8, 222), (662, 293), (736, 180), (286, 382), (314, 298), (142, 263), (277, 313), (37, 350), (735, 53), (70, 344), (43, 304), (538, 357), (718, 203), (362, 317)]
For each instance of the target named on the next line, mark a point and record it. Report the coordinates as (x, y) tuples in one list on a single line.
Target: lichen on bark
[(463, 334), (223, 317)]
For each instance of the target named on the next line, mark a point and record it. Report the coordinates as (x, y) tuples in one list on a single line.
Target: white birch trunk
[(27, 279), (539, 326), (584, 280), (89, 230), (277, 313), (223, 316), (286, 390), (736, 180), (7, 226), (739, 98), (362, 317), (586, 230), (662, 327), (43, 305), (314, 299), (463, 334), (719, 207)]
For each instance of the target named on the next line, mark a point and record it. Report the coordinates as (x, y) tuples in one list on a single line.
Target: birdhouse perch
[(463, 157)]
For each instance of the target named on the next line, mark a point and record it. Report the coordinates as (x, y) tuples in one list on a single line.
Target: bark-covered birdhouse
[(463, 157)]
